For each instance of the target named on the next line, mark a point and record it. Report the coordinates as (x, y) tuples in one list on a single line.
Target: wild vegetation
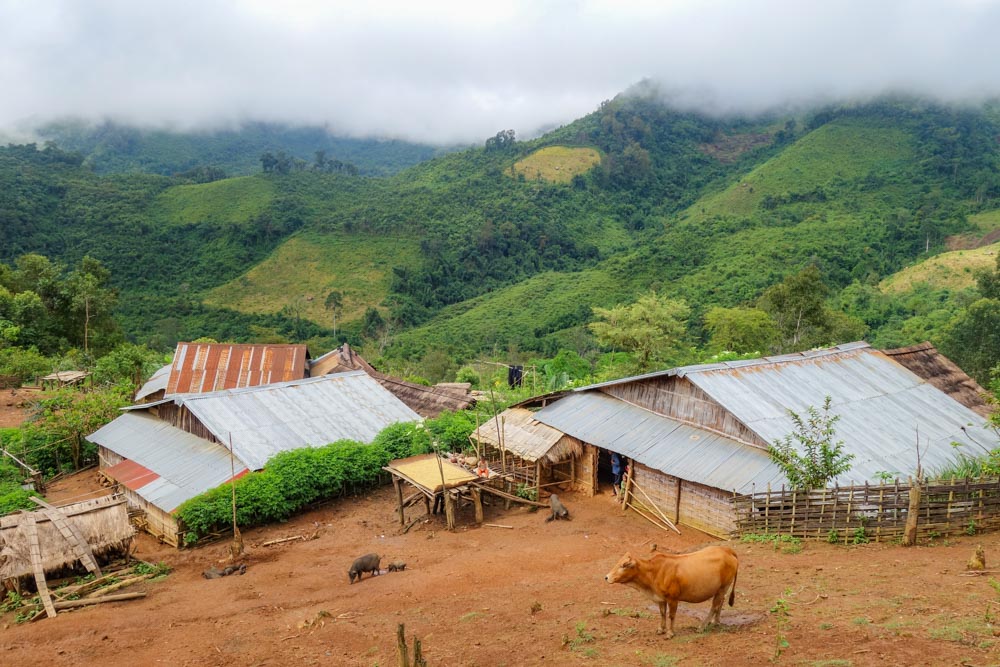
[(746, 236)]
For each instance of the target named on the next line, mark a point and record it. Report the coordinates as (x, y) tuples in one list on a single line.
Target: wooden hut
[(428, 402), (697, 435), (529, 453), (102, 524)]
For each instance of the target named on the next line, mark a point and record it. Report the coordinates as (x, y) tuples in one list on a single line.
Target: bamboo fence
[(871, 513)]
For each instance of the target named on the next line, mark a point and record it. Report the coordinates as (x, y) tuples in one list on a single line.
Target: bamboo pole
[(657, 508)]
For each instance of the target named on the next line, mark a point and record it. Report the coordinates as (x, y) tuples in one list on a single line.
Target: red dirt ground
[(470, 595)]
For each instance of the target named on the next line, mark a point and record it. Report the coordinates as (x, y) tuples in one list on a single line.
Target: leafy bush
[(467, 374), (821, 459), (294, 479), (13, 498), (451, 430)]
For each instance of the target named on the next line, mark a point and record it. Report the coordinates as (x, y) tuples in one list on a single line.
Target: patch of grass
[(826, 626), (664, 660), (556, 164), (967, 631), (953, 270), (836, 662), (226, 201), (472, 615), (786, 543), (582, 638), (629, 613), (301, 272)]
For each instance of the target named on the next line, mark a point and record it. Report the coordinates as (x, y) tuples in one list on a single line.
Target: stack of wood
[(97, 590)]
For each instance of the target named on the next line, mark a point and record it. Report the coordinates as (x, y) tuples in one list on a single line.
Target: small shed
[(101, 523), (435, 479), (526, 451), (63, 379)]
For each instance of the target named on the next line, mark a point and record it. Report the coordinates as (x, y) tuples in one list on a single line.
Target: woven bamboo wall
[(704, 508), (872, 513), (156, 522), (679, 399)]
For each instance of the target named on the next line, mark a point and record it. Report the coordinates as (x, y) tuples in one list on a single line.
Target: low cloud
[(458, 72)]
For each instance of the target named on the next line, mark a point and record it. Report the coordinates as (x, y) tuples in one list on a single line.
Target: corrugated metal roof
[(184, 464), (661, 443), (883, 408), (205, 367), (131, 474), (723, 365), (157, 382), (263, 421)]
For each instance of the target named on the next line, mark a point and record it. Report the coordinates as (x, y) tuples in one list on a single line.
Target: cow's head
[(623, 571)]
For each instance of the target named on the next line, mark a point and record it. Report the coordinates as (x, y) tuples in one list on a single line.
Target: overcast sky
[(446, 72)]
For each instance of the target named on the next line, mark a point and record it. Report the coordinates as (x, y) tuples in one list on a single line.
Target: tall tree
[(653, 329), (334, 302), (740, 330)]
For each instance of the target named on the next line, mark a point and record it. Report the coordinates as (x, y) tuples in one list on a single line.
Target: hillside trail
[(531, 594)]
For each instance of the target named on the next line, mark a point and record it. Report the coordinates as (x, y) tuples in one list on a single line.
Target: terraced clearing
[(557, 164), (306, 268)]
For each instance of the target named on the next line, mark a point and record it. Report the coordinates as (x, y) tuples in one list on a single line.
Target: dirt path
[(530, 595)]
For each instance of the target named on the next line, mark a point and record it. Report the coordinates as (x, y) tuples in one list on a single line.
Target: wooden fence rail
[(873, 513)]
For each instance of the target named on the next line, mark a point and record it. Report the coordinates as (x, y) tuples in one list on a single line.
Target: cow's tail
[(732, 593)]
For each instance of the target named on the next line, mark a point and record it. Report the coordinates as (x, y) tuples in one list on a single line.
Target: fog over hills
[(444, 73)]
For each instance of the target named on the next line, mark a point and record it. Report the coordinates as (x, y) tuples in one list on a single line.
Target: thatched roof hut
[(103, 522), (425, 401), (527, 438), (924, 361)]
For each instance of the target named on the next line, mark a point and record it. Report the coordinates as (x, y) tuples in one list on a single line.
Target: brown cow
[(670, 578)]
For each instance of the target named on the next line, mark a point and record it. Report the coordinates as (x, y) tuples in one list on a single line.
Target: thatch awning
[(926, 362), (527, 438), (424, 471), (103, 523)]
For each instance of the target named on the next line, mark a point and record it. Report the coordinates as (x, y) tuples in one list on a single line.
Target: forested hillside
[(752, 235), (111, 147)]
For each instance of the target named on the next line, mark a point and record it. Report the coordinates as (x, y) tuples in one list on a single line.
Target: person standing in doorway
[(616, 470)]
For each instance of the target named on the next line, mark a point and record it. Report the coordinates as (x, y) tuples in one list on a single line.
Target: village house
[(697, 435)]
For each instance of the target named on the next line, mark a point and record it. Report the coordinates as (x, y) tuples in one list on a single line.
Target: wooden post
[(572, 471), (449, 510), (767, 510), (677, 505), (477, 501), (910, 531), (402, 651), (881, 511), (399, 497), (538, 479)]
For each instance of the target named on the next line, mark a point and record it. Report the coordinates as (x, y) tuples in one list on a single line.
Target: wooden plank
[(35, 552), (71, 533)]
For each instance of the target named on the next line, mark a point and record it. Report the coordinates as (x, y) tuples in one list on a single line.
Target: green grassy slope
[(231, 200), (305, 269)]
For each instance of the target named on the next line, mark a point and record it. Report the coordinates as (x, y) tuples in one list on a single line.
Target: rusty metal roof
[(205, 367), (662, 443), (263, 421), (165, 465)]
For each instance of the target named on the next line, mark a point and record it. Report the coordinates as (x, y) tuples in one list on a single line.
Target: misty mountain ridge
[(510, 245), (114, 147)]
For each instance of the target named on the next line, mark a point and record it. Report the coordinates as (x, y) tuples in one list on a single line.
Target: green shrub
[(297, 478), (451, 430), (467, 374), (13, 498)]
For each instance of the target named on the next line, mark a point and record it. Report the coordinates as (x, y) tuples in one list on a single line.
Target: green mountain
[(111, 147), (512, 244)]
